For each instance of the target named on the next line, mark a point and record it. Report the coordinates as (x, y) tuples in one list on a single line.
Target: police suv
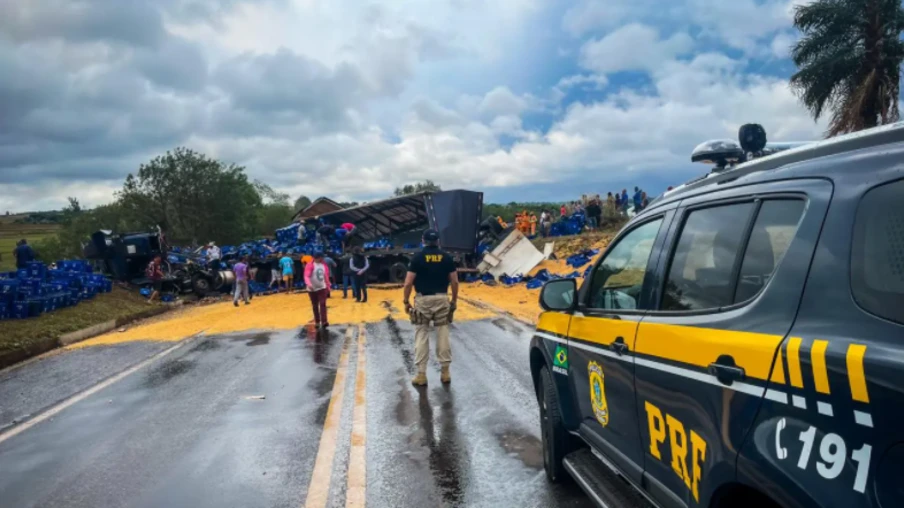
[(741, 341)]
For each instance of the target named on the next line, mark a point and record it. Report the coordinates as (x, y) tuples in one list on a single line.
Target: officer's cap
[(431, 236)]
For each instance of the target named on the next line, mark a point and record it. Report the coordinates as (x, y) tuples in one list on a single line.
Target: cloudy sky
[(523, 99)]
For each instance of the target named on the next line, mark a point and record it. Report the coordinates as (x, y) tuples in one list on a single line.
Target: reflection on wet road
[(240, 420)]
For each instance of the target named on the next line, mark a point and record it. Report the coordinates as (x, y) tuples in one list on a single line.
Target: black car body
[(741, 341)]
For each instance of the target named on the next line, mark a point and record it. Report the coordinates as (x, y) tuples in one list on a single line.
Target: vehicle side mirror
[(559, 295)]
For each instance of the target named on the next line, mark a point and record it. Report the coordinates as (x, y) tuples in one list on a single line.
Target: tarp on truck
[(454, 214)]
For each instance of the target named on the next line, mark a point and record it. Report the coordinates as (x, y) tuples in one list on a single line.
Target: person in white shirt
[(545, 221), (213, 253)]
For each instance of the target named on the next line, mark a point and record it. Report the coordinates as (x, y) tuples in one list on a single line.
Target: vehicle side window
[(877, 257), (700, 272), (775, 227), (617, 281)]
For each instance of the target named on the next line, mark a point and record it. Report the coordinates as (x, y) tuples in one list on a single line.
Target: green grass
[(120, 303), (12, 233)]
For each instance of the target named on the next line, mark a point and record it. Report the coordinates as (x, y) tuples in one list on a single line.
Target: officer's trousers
[(433, 308)]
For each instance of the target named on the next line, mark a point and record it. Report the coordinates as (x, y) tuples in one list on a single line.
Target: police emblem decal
[(598, 393)]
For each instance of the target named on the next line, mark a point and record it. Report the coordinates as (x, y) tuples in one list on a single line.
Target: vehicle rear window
[(877, 256), (702, 271), (775, 227)]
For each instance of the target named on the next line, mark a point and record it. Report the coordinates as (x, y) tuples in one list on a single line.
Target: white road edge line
[(55, 410)]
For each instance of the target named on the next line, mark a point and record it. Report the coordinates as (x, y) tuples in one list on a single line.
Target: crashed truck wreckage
[(388, 230)]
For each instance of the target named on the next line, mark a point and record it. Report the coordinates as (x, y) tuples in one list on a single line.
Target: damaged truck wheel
[(200, 285), (397, 272)]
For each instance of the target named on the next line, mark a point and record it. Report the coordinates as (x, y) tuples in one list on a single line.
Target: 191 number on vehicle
[(832, 453)]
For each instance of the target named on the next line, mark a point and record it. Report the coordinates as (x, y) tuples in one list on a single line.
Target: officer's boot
[(419, 380), (445, 376)]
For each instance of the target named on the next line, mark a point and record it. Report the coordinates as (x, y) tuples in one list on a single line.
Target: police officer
[(430, 273)]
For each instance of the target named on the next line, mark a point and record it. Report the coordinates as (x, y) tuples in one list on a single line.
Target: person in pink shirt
[(241, 281), (317, 280)]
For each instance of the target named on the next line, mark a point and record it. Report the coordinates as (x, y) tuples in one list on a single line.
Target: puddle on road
[(404, 410), (206, 345), (437, 441), (258, 339), (167, 371), (395, 334), (527, 448), (507, 326)]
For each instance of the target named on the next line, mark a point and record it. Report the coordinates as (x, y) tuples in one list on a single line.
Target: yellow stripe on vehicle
[(554, 322), (703, 346), (856, 376), (778, 372), (794, 375), (604, 331), (818, 360)]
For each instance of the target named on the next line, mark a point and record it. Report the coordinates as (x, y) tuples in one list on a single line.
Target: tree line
[(193, 198)]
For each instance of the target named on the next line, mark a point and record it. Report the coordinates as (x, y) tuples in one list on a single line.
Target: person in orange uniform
[(533, 224)]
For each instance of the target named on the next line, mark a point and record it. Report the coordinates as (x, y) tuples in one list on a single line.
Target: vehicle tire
[(398, 272), (556, 440), (200, 285)]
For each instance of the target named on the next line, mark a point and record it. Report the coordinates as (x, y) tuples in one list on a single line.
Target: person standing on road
[(317, 280), (288, 271), (345, 276), (275, 272), (154, 272), (430, 274), (241, 281), (359, 265)]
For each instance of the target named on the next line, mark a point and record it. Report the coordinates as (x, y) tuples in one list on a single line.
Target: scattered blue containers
[(36, 290), (19, 310)]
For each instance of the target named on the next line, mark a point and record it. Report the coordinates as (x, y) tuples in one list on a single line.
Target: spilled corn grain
[(273, 312)]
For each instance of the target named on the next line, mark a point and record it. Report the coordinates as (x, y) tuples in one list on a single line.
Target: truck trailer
[(391, 229)]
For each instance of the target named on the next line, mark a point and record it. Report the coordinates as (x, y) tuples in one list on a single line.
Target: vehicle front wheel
[(556, 440)]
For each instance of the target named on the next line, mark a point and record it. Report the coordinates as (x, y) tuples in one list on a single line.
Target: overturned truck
[(390, 230)]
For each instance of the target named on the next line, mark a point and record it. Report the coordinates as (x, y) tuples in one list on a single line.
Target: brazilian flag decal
[(561, 357)]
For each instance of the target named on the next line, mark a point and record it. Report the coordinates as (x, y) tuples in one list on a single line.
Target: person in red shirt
[(154, 272), (563, 211)]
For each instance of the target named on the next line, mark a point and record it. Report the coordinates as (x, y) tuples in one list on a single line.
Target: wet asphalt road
[(189, 428)]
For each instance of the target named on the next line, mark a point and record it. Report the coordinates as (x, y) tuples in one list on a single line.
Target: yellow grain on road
[(274, 312), (319, 488), (355, 496)]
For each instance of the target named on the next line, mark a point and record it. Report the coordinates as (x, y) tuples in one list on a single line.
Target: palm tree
[(849, 61)]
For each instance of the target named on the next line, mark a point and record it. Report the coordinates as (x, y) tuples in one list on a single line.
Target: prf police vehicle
[(741, 341)]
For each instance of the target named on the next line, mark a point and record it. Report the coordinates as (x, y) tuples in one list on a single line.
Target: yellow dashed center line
[(319, 488), (357, 465)]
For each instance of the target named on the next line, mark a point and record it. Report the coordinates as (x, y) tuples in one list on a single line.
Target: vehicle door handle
[(619, 346), (726, 370)]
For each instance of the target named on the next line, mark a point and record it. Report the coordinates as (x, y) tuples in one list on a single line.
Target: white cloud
[(501, 101), (781, 45), (633, 47), (324, 98), (585, 81)]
